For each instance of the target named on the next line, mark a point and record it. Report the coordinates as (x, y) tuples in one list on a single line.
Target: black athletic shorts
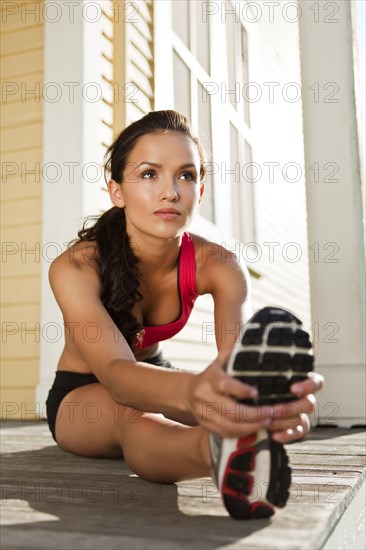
[(66, 381)]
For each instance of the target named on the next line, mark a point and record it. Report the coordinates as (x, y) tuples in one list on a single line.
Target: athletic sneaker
[(252, 472)]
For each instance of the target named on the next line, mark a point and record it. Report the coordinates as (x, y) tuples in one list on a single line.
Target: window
[(202, 37), (210, 60), (191, 67), (245, 70), (207, 206), (182, 86), (181, 20), (238, 65), (242, 196)]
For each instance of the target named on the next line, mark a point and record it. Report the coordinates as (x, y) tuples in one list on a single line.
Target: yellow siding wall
[(140, 60), (133, 62), (22, 43), (106, 77)]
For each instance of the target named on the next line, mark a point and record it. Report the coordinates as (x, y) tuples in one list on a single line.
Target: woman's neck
[(156, 255)]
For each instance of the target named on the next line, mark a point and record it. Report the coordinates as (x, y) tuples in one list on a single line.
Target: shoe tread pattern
[(280, 357)]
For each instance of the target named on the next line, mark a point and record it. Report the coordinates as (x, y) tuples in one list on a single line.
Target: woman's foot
[(252, 473)]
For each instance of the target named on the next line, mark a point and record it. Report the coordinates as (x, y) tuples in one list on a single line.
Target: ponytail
[(119, 269)]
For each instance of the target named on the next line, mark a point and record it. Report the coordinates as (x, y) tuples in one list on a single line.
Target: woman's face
[(161, 187)]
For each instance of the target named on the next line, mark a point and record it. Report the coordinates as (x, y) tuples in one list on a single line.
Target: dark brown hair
[(118, 263)]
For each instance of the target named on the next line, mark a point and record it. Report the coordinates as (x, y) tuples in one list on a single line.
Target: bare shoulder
[(80, 260), (218, 268)]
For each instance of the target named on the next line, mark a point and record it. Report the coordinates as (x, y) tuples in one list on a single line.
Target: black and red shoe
[(252, 473)]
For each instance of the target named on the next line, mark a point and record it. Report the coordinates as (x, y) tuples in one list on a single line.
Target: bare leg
[(157, 449), (164, 451)]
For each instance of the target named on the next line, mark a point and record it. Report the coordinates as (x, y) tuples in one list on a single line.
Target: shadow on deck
[(53, 499)]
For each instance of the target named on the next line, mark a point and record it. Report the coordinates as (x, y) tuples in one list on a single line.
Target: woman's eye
[(188, 175), (147, 172), (191, 176)]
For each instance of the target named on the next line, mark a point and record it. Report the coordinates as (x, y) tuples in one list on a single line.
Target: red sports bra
[(151, 334)]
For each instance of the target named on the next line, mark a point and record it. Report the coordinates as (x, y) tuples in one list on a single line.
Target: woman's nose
[(169, 190)]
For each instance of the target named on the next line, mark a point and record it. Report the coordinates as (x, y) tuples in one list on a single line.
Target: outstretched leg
[(91, 423)]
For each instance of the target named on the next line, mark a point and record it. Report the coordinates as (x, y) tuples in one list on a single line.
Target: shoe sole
[(272, 354)]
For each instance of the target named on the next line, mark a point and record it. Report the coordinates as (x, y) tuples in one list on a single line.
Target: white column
[(72, 141), (334, 204), (163, 56)]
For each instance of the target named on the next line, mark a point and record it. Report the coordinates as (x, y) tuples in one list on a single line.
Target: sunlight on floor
[(13, 509)]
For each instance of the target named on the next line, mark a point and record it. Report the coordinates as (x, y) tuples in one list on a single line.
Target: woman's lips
[(167, 213)]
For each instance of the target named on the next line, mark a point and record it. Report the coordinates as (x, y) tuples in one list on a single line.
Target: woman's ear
[(115, 193)]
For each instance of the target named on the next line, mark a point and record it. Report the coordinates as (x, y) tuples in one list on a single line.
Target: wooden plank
[(23, 257), (19, 403), (18, 3), (15, 212), (320, 451), (30, 136), (28, 234), (29, 156), (18, 113), (27, 88), (25, 313), (21, 63), (14, 189), (22, 372), (29, 38), (53, 499), (20, 342), (16, 290), (17, 17)]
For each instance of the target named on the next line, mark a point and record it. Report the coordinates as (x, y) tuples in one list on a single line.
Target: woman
[(117, 289)]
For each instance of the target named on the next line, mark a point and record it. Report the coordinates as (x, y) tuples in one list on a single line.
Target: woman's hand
[(289, 419), (213, 396), (212, 399)]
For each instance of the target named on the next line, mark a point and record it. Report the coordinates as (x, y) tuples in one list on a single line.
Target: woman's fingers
[(228, 418), (292, 434), (286, 411), (291, 423), (215, 404), (236, 388), (298, 431), (314, 383)]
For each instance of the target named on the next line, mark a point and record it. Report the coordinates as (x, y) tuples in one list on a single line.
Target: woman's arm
[(76, 287), (228, 283)]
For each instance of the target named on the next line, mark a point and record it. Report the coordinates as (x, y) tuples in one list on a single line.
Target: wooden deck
[(54, 500)]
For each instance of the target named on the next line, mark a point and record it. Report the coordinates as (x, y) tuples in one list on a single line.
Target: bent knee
[(83, 439), (89, 422)]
